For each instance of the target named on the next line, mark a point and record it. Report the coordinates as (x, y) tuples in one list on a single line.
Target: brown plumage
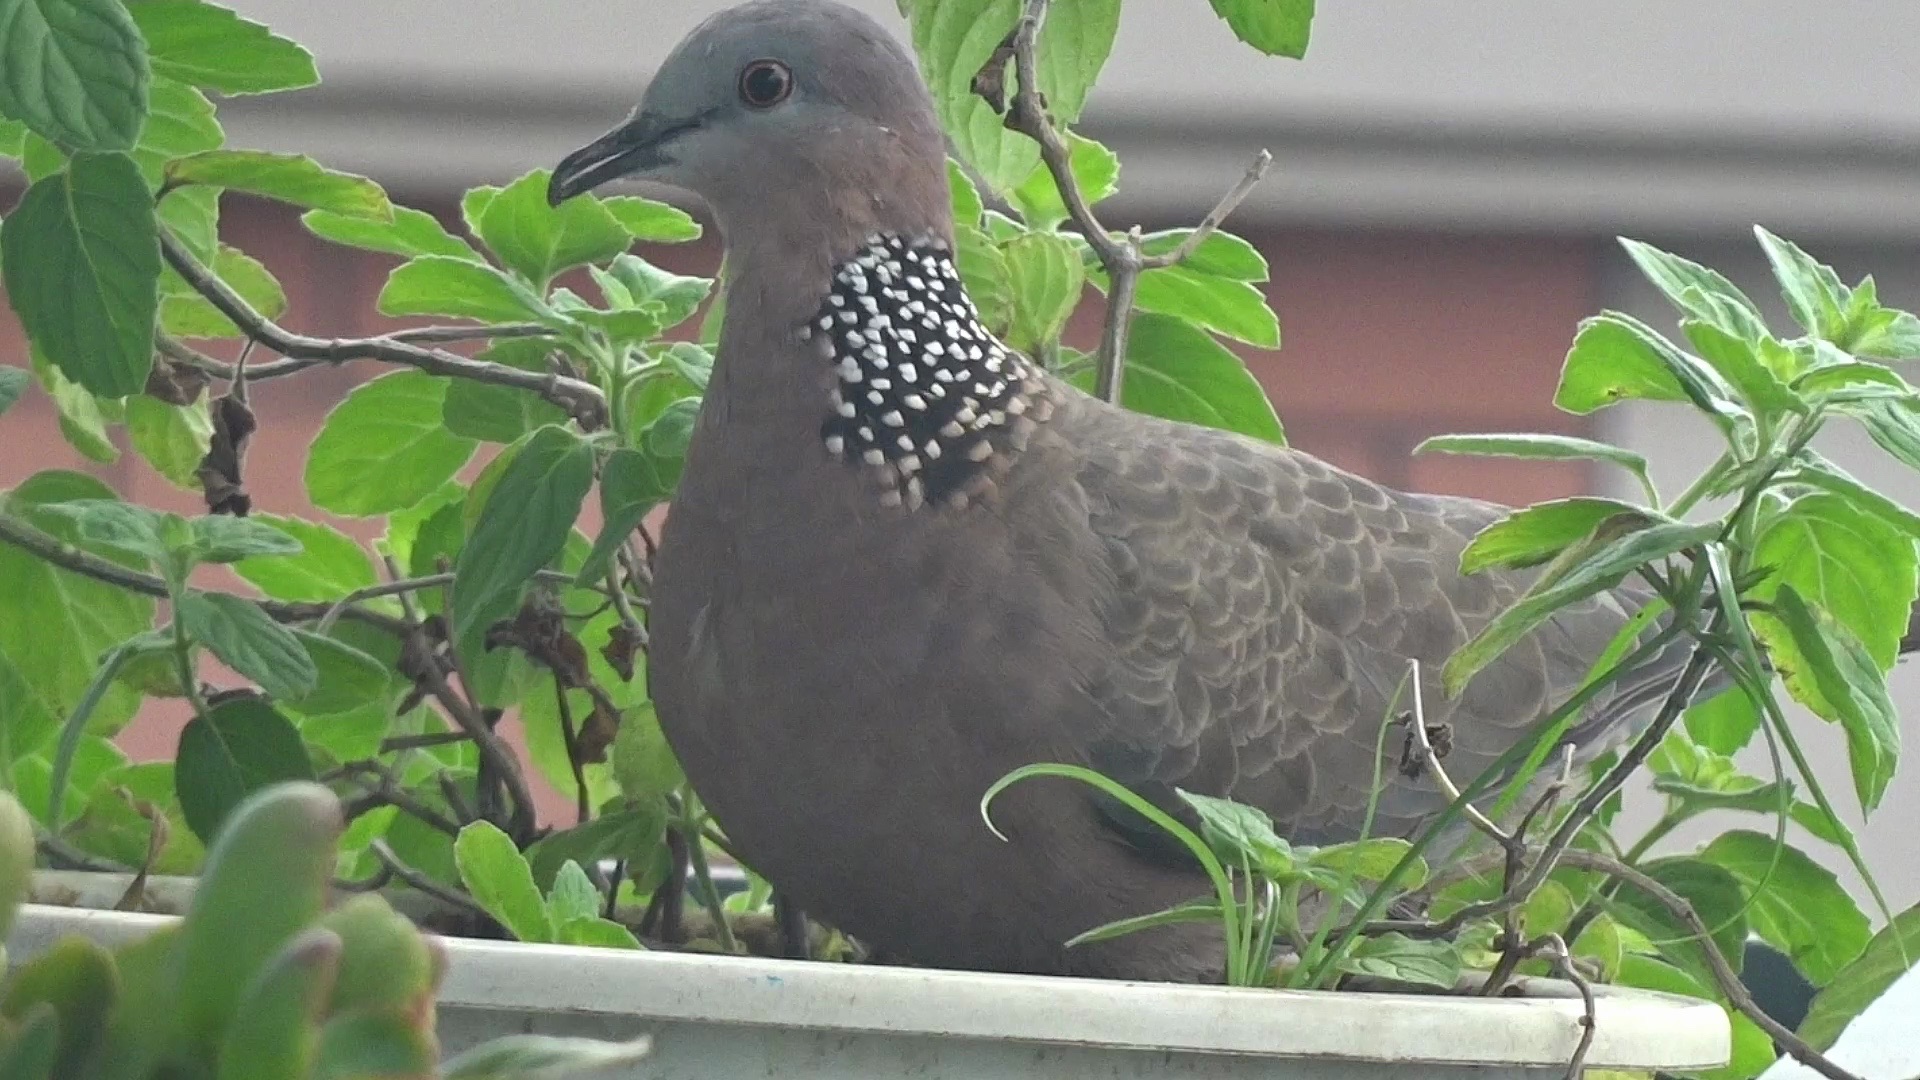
[(855, 633)]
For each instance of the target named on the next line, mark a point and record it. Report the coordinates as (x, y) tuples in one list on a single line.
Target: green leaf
[(1817, 472), (1885, 334), (1894, 425), (631, 834), (290, 178), (1234, 829), (1045, 276), (247, 640), (208, 45), (1369, 860), (1275, 27), (1096, 171), (1702, 293), (410, 233), (185, 313), (32, 1050), (1611, 360), (543, 1057), (59, 623), (345, 679), (573, 895), (445, 285), (955, 38), (1845, 382), (1615, 356), (1830, 671), (537, 240), (1716, 896), (643, 764), (983, 271), (219, 538), (83, 417), (13, 383), (644, 283), (1177, 371), (192, 214), (502, 414), (1752, 1051), (1815, 297), (1737, 361), (1846, 559), (239, 747), (1219, 254), (523, 526), (645, 219), (1890, 954), (1191, 912), (1404, 959), (967, 206), (173, 438), (82, 270), (1537, 533), (631, 485), (180, 121), (1797, 904), (1601, 567), (13, 138), (1225, 305), (595, 932), (329, 565), (135, 531), (76, 71), (385, 447), (1539, 448), (499, 878)]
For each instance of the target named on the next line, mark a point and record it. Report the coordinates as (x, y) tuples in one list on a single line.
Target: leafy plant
[(257, 981), (385, 671)]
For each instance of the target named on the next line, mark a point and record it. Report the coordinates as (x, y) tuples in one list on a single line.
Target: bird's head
[(783, 113)]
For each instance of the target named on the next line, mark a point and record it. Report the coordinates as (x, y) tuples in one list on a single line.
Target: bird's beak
[(635, 146)]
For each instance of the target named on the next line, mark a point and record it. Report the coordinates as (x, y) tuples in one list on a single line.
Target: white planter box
[(733, 1017)]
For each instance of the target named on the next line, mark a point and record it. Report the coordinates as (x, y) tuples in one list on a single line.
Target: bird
[(904, 559)]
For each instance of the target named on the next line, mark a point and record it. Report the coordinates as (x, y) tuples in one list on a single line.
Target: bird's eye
[(765, 83)]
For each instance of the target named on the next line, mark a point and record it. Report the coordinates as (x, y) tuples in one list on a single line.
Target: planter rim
[(1636, 1029)]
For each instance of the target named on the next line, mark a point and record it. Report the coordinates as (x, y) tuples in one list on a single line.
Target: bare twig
[(1557, 953), (398, 743), (467, 716), (1428, 759), (425, 884), (570, 738), (1724, 976), (581, 400), (64, 555), (220, 369), (385, 789), (1120, 257)]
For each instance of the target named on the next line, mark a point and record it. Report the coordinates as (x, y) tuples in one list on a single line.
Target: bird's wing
[(1264, 609)]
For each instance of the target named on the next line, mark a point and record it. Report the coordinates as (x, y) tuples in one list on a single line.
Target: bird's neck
[(882, 361)]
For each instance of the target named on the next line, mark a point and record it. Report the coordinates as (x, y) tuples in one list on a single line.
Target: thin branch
[(220, 369), (570, 738), (385, 788), (1723, 974), (1561, 957), (1210, 224), (1121, 258), (425, 884), (581, 400), (64, 555)]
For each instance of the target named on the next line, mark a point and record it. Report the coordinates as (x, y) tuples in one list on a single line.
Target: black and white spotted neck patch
[(924, 395)]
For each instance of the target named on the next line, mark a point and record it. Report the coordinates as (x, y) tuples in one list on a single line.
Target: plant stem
[(582, 400), (690, 826), (75, 727)]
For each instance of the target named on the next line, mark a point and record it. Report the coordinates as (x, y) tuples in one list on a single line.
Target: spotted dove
[(904, 559)]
